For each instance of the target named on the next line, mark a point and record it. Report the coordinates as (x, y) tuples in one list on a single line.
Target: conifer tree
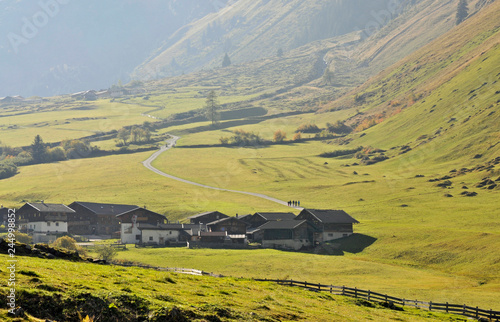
[(212, 108), (38, 150), (226, 61)]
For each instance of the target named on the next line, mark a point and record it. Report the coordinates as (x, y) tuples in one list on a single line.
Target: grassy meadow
[(111, 293)]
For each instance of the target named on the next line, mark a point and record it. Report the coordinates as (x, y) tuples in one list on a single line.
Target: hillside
[(111, 293), (442, 100), (249, 30)]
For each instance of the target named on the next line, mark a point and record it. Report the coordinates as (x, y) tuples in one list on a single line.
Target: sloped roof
[(222, 220), (282, 224), (105, 208), (143, 209), (206, 213), (51, 207), (276, 215), (332, 216)]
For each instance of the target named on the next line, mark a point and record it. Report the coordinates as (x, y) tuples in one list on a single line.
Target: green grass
[(131, 294)]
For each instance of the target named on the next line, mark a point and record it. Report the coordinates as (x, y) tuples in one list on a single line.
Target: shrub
[(7, 169), (68, 243), (56, 154), (297, 136), (308, 128), (106, 252), (279, 136), (23, 238), (338, 128), (65, 242), (339, 153)]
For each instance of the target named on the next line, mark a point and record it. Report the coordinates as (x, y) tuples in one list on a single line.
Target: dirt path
[(171, 143)]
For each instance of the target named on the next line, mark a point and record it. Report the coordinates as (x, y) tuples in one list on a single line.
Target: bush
[(242, 138), (308, 128), (339, 153), (297, 136), (106, 252), (23, 238), (56, 154), (339, 128), (279, 136), (7, 169), (68, 243)]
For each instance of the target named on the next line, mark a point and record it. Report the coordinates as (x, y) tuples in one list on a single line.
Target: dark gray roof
[(206, 213), (276, 215), (147, 210), (51, 207), (105, 208), (282, 224), (222, 220), (332, 216)]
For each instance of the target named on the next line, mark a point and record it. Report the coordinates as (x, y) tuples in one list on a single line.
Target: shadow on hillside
[(354, 244)]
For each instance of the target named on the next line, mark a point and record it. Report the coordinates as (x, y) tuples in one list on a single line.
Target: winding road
[(171, 143)]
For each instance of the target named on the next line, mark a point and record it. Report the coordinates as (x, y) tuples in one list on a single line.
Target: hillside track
[(170, 143)]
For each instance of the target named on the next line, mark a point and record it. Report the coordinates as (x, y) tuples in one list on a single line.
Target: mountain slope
[(249, 30), (446, 94)]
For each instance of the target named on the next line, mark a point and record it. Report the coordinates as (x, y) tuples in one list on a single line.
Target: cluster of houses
[(138, 225), (92, 95)]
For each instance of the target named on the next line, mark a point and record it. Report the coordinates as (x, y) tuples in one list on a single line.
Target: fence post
[(446, 307), (331, 290), (403, 302), (430, 306), (477, 312), (386, 299), (355, 292), (368, 295), (305, 284), (464, 310), (319, 286), (343, 289)]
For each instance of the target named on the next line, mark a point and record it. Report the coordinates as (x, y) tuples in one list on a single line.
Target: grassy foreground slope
[(109, 293)]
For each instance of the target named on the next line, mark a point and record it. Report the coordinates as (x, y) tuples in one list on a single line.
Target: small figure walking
[(298, 202)]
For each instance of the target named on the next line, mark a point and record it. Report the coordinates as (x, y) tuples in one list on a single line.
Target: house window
[(137, 237), (170, 232), (48, 224), (57, 224), (150, 238), (330, 235)]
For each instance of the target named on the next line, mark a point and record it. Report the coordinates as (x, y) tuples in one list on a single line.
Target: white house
[(45, 222)]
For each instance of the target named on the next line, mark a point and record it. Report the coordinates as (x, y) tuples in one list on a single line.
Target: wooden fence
[(473, 312)]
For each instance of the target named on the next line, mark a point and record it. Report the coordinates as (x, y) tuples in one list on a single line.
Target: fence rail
[(473, 312)]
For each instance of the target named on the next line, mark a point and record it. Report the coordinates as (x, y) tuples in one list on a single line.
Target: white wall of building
[(128, 233), (48, 226), (159, 236)]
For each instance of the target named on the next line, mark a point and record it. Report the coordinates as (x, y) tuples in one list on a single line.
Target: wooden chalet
[(287, 234), (130, 220), (231, 225), (44, 221), (331, 224), (92, 218), (206, 217)]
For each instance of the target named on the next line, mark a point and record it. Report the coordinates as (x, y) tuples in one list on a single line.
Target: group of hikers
[(293, 203)]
